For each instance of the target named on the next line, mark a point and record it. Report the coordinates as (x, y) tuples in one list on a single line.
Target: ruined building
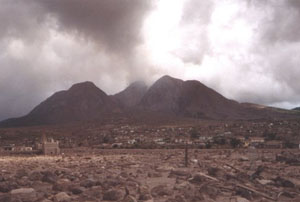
[(48, 146)]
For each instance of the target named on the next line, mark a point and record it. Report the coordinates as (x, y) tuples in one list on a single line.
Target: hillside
[(83, 101)]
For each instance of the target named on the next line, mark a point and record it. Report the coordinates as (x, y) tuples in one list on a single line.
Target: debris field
[(153, 176)]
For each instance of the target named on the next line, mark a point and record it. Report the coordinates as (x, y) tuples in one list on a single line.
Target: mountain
[(168, 97), (188, 98), (132, 95), (83, 101), (297, 109), (162, 95)]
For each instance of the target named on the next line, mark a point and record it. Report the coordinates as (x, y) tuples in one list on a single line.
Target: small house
[(50, 147)]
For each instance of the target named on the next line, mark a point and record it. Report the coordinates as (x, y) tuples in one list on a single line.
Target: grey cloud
[(106, 32), (195, 20), (112, 24), (107, 51), (282, 23)]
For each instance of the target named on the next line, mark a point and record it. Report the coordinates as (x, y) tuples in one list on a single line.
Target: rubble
[(150, 175)]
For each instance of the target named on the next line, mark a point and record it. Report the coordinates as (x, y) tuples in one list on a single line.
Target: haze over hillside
[(170, 96)]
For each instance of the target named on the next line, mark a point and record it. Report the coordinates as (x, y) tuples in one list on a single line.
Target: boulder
[(24, 194), (154, 174), (198, 179), (49, 177), (241, 199), (62, 185), (35, 176), (62, 197), (77, 190), (113, 195), (5, 187), (88, 183), (180, 172), (144, 193), (161, 190), (129, 199)]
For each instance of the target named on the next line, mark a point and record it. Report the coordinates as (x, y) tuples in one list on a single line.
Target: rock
[(113, 195), (182, 186), (24, 182), (144, 193), (5, 198), (176, 199), (198, 179), (178, 172), (62, 185), (108, 183), (283, 182), (88, 183), (22, 191), (49, 177), (154, 174), (161, 190), (35, 176), (24, 194), (215, 172), (210, 190), (5, 187), (244, 158), (164, 168), (62, 197), (95, 192), (264, 182), (124, 175), (77, 190), (21, 173), (129, 199), (240, 199), (46, 200), (244, 193)]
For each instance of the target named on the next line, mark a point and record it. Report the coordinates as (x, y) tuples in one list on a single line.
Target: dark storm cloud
[(47, 45), (112, 24)]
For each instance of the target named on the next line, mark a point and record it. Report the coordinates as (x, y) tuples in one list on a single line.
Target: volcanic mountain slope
[(193, 99), (167, 97), (188, 98), (83, 101), (132, 95)]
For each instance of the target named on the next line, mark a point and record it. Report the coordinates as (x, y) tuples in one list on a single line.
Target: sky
[(247, 50)]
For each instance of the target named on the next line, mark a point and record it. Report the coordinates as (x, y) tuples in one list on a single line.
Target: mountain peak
[(167, 78), (83, 85), (132, 95), (137, 84)]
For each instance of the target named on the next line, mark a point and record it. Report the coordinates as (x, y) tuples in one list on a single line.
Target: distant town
[(257, 134)]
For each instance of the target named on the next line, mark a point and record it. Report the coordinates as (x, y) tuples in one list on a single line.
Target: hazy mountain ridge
[(175, 97), (131, 95)]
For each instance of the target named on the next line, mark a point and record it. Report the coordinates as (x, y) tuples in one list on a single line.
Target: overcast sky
[(248, 50)]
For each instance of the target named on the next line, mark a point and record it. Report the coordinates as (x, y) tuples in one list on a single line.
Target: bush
[(234, 142), (194, 134)]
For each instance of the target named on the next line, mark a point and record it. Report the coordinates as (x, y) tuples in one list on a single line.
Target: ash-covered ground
[(153, 175)]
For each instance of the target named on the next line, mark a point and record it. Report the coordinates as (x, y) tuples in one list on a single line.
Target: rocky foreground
[(152, 175)]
